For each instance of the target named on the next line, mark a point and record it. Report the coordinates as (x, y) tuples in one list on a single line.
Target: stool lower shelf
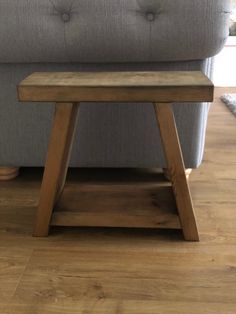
[(112, 201)]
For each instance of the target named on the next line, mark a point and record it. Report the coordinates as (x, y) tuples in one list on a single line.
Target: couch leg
[(167, 174), (8, 173), (188, 172)]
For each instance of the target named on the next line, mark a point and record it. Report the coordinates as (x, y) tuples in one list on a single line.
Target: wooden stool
[(67, 90)]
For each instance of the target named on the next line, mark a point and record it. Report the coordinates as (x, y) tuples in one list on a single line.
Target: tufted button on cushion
[(65, 17), (150, 16)]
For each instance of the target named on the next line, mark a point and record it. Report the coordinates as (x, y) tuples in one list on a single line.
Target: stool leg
[(67, 151), (175, 163), (56, 163)]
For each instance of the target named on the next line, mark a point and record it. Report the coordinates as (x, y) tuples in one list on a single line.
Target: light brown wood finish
[(176, 169), (8, 173), (126, 271), (56, 164), (113, 86), (68, 147), (116, 86), (140, 199), (117, 79)]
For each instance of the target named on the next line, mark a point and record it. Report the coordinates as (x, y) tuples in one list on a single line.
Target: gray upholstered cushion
[(111, 30)]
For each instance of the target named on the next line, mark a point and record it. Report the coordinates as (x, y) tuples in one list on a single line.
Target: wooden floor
[(126, 271)]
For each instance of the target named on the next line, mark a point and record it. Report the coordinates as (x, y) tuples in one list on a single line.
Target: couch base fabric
[(122, 135)]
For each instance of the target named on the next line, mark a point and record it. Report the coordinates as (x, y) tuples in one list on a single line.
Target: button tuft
[(150, 16), (65, 17)]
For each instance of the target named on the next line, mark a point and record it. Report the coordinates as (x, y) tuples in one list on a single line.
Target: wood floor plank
[(13, 262), (58, 289), (111, 306), (61, 279)]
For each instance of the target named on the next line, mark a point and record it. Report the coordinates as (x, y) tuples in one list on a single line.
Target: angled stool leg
[(175, 164), (67, 150), (56, 163)]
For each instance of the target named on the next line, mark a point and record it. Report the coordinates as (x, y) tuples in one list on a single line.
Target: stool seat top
[(164, 86)]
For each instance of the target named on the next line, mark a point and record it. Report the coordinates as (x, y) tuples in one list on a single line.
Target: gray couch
[(81, 35)]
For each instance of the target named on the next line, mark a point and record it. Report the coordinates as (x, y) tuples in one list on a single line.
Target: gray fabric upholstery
[(83, 35), (111, 30), (109, 136)]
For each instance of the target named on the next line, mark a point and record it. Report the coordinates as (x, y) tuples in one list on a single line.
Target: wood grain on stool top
[(169, 86)]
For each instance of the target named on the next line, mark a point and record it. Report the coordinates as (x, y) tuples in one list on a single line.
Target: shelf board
[(141, 200)]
